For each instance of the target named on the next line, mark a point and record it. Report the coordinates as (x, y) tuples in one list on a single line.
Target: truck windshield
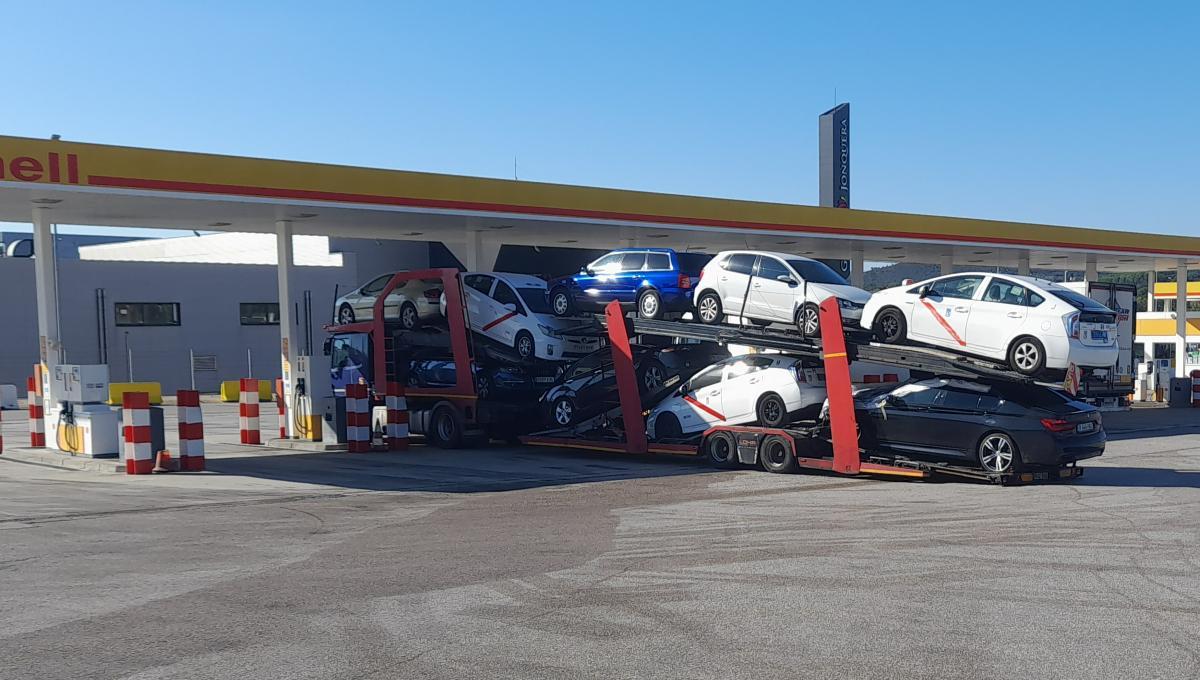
[(535, 300)]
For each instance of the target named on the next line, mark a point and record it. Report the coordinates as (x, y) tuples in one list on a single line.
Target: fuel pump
[(310, 392), (80, 422)]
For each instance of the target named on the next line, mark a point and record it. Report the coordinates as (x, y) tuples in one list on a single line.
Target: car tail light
[(1057, 425), (685, 281), (433, 294), (1073, 325)]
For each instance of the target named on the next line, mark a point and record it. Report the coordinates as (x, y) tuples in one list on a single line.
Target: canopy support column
[(857, 277), (1181, 325), (284, 259), (478, 254), (947, 264), (1023, 263), (1089, 268), (46, 290)]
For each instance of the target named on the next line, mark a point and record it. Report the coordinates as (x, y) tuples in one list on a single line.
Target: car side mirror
[(587, 271), (893, 400), (327, 347), (923, 291), (684, 389), (510, 306), (787, 279)]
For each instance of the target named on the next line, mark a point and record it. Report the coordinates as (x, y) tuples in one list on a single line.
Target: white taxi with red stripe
[(768, 389), (1030, 323), (511, 309)]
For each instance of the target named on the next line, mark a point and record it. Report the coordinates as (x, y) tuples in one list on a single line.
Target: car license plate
[(1102, 336), (1083, 428)]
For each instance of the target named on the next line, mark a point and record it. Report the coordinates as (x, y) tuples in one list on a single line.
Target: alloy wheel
[(890, 326), (649, 305), (708, 309), (345, 315), (525, 346), (772, 411), (408, 317), (808, 316), (561, 304), (652, 377), (563, 411), (1026, 356), (996, 453)]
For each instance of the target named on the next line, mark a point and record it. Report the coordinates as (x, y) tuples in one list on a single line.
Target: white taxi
[(1030, 323), (512, 310)]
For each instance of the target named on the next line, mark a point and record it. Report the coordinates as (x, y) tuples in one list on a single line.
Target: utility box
[(335, 417), (81, 383), (1181, 393)]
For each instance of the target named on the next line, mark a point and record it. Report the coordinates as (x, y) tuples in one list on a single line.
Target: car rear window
[(692, 262), (1078, 300), (1034, 396), (816, 272)]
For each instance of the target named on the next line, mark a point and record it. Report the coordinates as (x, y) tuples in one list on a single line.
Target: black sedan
[(588, 387), (1001, 427), (497, 382)]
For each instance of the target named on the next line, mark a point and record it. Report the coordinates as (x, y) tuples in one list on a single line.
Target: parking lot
[(514, 562)]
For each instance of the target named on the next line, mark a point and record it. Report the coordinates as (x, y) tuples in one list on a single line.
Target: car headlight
[(847, 304), (548, 331)]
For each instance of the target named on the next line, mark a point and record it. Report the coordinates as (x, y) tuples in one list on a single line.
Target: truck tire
[(445, 427), (721, 449), (777, 453)]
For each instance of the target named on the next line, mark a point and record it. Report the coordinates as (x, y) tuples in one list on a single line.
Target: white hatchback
[(768, 389), (773, 287), (1030, 323), (511, 310)]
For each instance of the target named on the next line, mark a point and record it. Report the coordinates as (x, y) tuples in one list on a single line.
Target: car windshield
[(816, 272), (1077, 300), (535, 299)]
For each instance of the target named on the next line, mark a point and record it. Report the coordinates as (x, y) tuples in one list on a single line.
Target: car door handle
[(724, 278), (758, 285), (715, 393), (1014, 315), (961, 309)]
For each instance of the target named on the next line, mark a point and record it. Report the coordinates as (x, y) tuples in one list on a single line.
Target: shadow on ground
[(455, 471), (1162, 478)]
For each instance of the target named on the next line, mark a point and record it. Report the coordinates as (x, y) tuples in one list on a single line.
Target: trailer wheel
[(721, 449), (771, 411), (777, 454), (345, 314), (446, 428)]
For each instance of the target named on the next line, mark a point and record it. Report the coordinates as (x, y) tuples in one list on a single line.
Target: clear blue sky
[(1082, 115)]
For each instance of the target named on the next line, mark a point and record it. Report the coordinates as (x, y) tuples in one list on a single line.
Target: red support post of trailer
[(843, 425), (627, 388)]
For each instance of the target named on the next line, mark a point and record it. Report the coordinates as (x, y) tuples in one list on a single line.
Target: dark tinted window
[(989, 403), (633, 262), (259, 313), (740, 263), (770, 268), (816, 272), (922, 397), (956, 287), (710, 377), (1034, 299), (1034, 396), (692, 262), (658, 261), (584, 366), (146, 313), (535, 300), (1078, 300), (505, 295), (954, 399)]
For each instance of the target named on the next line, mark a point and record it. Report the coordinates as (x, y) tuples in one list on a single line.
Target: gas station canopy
[(90, 184)]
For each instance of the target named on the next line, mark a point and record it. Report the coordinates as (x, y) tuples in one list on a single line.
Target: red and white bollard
[(282, 408), (139, 452), (37, 416), (358, 419), (191, 431), (1195, 374), (397, 417), (248, 411)]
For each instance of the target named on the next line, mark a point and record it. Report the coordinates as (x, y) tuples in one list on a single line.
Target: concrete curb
[(53, 458)]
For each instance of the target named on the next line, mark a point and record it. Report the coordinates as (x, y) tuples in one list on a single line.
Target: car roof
[(1033, 280), (782, 256), (640, 250), (515, 280)]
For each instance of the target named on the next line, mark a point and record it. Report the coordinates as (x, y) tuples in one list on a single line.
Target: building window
[(147, 313), (260, 313)]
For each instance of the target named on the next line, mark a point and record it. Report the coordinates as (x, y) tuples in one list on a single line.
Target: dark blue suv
[(655, 281)]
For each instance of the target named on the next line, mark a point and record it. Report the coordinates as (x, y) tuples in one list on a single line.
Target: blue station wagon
[(654, 281)]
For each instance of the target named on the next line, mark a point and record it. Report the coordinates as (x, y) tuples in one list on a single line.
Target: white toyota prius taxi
[(1030, 323)]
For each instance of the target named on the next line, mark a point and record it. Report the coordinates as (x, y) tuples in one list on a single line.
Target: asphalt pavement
[(516, 562)]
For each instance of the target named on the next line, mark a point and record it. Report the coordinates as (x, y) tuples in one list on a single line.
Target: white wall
[(208, 295)]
